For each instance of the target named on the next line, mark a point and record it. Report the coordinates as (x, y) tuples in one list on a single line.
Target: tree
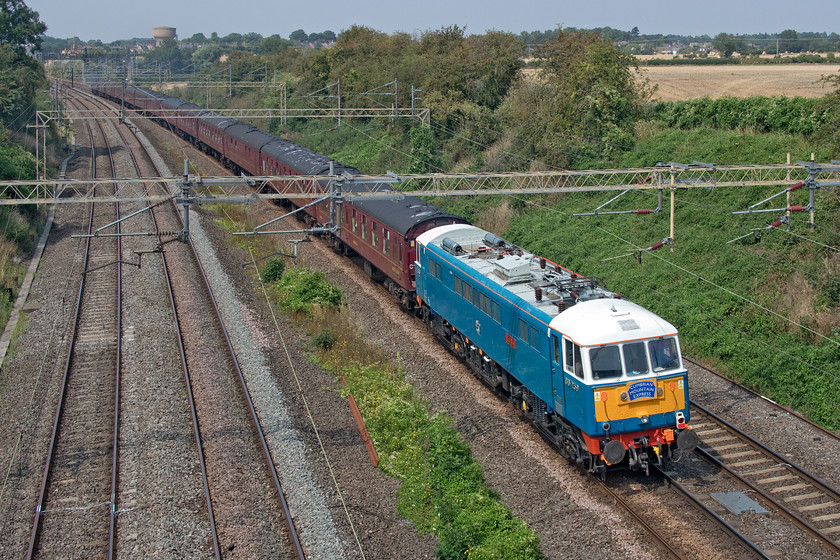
[(167, 52), (21, 77), (789, 41), (197, 39), (20, 26), (207, 55), (726, 44), (585, 106), (273, 45), (425, 151), (299, 36)]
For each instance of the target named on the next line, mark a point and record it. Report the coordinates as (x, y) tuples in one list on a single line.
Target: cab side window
[(572, 363)]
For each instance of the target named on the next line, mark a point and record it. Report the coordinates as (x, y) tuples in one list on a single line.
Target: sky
[(108, 21)]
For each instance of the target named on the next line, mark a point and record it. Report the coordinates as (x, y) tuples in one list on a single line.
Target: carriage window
[(355, 224), (364, 230), (606, 363), (497, 315), (459, 286), (663, 354), (373, 239), (485, 304), (523, 330), (635, 358), (556, 344)]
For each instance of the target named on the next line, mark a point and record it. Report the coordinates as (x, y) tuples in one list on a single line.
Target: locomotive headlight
[(623, 396), (645, 418), (659, 391)]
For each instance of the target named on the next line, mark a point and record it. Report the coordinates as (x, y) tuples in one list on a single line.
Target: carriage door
[(557, 373)]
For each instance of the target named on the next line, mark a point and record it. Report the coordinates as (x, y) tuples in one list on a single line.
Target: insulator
[(777, 223), (798, 185), (656, 246), (561, 305), (643, 211), (616, 296), (542, 263), (538, 293), (574, 294), (796, 208)]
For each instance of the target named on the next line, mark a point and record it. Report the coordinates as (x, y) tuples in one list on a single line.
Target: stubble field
[(678, 83)]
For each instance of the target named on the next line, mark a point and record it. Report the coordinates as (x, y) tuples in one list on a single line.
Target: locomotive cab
[(623, 383)]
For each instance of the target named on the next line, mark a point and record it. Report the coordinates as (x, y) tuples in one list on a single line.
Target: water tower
[(162, 33)]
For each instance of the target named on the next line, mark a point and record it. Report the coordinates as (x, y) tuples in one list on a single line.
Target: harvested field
[(678, 83)]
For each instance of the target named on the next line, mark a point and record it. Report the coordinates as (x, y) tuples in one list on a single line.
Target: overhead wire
[(713, 284)]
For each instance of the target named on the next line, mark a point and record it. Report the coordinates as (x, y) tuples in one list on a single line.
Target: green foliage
[(425, 152), (21, 77), (273, 45), (168, 52), (324, 340), (727, 44), (450, 68), (15, 162), (586, 105), (20, 26), (273, 269), (790, 115), (299, 289), (443, 490)]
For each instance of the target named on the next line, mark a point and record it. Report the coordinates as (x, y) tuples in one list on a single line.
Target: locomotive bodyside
[(587, 367)]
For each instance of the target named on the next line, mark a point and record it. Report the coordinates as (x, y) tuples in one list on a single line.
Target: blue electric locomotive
[(600, 377)]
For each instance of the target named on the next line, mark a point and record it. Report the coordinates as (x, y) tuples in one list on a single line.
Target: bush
[(273, 269), (300, 289), (324, 340)]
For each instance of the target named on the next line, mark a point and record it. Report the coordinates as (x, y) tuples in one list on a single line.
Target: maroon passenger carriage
[(382, 231)]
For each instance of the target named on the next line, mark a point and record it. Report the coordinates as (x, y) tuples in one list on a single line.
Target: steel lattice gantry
[(671, 176)]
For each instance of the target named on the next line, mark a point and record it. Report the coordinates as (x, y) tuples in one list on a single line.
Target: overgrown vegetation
[(21, 78), (443, 491), (789, 115), (300, 290)]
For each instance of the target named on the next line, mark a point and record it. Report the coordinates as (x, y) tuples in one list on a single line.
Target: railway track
[(779, 484), (763, 505), (760, 553), (167, 218), (80, 472)]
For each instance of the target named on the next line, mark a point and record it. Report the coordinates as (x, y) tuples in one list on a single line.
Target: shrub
[(324, 340), (273, 269), (300, 289)]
